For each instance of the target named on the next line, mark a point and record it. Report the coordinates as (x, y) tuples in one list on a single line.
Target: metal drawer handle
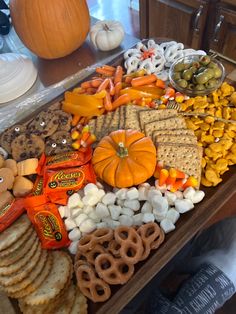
[(197, 18), (217, 28)]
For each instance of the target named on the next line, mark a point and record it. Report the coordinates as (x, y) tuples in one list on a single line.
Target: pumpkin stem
[(122, 150), (106, 27)]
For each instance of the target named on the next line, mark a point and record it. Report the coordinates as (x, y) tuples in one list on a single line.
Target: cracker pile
[(176, 144), (106, 257), (40, 279)]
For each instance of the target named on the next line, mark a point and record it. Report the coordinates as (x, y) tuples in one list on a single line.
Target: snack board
[(187, 226)]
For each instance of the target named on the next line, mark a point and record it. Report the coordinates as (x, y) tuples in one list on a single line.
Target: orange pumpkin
[(124, 158), (51, 28)]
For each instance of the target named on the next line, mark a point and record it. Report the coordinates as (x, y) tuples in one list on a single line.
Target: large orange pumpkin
[(51, 28), (124, 158)]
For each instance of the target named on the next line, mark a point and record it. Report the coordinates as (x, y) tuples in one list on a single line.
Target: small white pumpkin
[(107, 35)]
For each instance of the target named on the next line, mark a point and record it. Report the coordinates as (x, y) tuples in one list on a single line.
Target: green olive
[(191, 86), (179, 67), (187, 65), (211, 83), (210, 72), (196, 64), (187, 74), (176, 76), (202, 78), (182, 83), (194, 79), (193, 69), (205, 60), (199, 87), (217, 72), (201, 69), (212, 65)]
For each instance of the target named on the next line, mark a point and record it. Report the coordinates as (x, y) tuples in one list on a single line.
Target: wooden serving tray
[(186, 227)]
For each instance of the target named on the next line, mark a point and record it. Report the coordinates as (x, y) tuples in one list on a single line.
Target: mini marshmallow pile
[(93, 208)]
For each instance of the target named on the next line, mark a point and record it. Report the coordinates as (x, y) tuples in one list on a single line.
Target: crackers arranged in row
[(41, 279)]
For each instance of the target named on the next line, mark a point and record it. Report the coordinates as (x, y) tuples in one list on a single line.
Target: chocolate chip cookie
[(64, 120), (44, 124), (27, 146), (9, 135), (57, 143)]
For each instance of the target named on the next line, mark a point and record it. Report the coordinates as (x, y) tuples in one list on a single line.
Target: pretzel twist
[(131, 244), (89, 241), (112, 270), (92, 287)]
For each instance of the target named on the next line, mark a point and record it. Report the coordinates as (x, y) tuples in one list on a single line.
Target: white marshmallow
[(160, 205), (69, 224), (74, 234), (126, 220), (127, 211), (61, 210), (145, 184), (90, 199), (179, 195), (120, 202), (167, 225), (100, 194), (75, 201), (99, 185), (133, 204), (198, 197), (115, 211), (146, 208), (94, 216), (121, 193), (172, 215), (162, 188), (80, 219), (88, 209), (159, 218), (138, 219), (67, 212), (152, 193), (109, 198), (87, 226), (171, 198), (148, 217), (90, 188), (114, 224), (143, 193), (73, 247), (189, 193), (101, 225), (102, 210), (132, 194), (76, 212), (183, 206)]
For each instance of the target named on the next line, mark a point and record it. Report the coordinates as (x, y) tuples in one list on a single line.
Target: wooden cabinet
[(223, 32), (201, 24)]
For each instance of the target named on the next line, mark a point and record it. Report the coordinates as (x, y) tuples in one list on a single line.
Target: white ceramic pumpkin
[(107, 35)]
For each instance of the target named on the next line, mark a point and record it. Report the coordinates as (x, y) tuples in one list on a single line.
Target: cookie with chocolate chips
[(9, 135), (59, 142), (44, 124), (64, 120), (27, 146)]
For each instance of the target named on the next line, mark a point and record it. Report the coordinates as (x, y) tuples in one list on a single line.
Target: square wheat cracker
[(151, 115)]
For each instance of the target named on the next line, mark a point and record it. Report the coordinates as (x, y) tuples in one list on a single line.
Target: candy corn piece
[(92, 138), (75, 135), (176, 186), (176, 173), (164, 173), (76, 144), (158, 168), (179, 97), (85, 129), (84, 138), (191, 181)]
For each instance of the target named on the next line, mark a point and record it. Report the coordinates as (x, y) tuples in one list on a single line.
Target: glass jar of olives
[(196, 74)]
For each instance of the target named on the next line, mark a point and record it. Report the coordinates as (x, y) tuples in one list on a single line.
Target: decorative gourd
[(51, 28), (107, 35), (124, 158)]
